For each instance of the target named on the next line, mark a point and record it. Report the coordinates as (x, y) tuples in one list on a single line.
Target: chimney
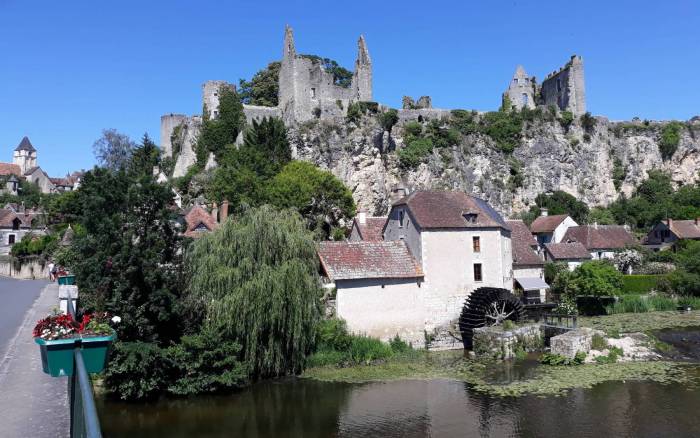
[(669, 222), (595, 225), (224, 211), (362, 217), (215, 212), (544, 212), (697, 221)]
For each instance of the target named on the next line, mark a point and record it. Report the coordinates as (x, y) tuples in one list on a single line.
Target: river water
[(415, 408)]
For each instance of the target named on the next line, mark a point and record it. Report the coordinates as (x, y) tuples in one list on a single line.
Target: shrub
[(599, 343), (597, 278), (559, 360), (354, 113), (505, 128), (614, 353), (588, 122), (641, 304), (465, 121), (640, 284), (508, 325), (415, 152), (566, 119), (365, 350), (333, 334), (398, 345), (670, 138), (412, 130), (388, 119), (137, 370)]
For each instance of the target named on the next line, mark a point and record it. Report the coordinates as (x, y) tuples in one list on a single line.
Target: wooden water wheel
[(488, 306)]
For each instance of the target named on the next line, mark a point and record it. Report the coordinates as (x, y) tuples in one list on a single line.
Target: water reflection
[(411, 408)]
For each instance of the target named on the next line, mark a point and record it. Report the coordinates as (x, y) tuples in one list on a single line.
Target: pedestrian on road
[(52, 271)]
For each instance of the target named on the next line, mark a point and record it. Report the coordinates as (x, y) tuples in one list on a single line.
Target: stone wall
[(168, 123), (496, 343), (572, 342), (25, 271), (565, 88)]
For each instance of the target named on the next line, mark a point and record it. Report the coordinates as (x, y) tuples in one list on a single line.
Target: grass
[(632, 322), (647, 303), (640, 284)]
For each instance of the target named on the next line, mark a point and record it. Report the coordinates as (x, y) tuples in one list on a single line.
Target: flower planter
[(95, 351), (57, 356), (66, 280)]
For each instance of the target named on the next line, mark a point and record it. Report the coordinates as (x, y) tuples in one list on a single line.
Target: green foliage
[(263, 88), (588, 122), (670, 138), (596, 278), (144, 158), (506, 104), (559, 360), (354, 114), (516, 178), (619, 173), (398, 345), (598, 342), (640, 284), (137, 370), (113, 150), (505, 128), (220, 133), (388, 119), (566, 119), (254, 280), (415, 153), (321, 198), (341, 76), (614, 353), (412, 130), (28, 194), (205, 363), (601, 216), (642, 304), (508, 325), (32, 245), (558, 202), (466, 122)]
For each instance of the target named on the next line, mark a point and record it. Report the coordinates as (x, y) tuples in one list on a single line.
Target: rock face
[(549, 156)]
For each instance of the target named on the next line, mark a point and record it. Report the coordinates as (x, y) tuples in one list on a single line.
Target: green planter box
[(64, 280), (95, 351), (57, 356)]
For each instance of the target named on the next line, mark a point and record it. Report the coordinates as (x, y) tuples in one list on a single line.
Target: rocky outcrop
[(549, 157)]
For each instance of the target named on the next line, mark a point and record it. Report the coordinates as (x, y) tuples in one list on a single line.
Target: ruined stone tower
[(566, 88), (521, 91), (210, 97), (24, 155), (307, 90)]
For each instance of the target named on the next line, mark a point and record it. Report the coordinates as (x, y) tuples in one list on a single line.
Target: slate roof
[(600, 237), (524, 244), (358, 260), (32, 170), (685, 229), (547, 224), (444, 209), (372, 229), (25, 145), (567, 251), (196, 216), (10, 169)]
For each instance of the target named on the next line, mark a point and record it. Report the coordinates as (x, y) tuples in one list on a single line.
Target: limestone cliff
[(549, 157)]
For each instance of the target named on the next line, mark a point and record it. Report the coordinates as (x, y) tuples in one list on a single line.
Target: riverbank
[(539, 379)]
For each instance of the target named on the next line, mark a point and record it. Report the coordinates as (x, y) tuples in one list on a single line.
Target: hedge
[(640, 284)]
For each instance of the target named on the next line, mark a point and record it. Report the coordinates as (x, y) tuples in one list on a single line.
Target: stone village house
[(665, 234), (436, 248)]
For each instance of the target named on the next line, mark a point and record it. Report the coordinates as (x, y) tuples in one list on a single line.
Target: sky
[(70, 69)]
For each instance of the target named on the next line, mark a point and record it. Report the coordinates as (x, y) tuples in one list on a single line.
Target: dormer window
[(470, 217)]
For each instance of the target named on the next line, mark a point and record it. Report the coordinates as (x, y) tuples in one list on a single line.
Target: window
[(401, 219), (476, 244), (523, 99), (10, 239), (16, 223), (477, 272), (313, 93)]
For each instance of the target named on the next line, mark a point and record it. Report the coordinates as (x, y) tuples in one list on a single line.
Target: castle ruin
[(564, 89), (308, 91)]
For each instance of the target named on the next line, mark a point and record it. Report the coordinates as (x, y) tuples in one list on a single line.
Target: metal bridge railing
[(84, 421)]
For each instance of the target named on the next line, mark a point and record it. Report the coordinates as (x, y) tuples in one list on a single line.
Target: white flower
[(116, 319)]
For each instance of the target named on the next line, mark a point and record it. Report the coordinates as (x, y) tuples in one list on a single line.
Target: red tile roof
[(372, 229), (442, 209), (10, 169), (547, 224), (524, 244), (685, 229), (600, 237), (357, 260), (7, 217), (198, 216), (567, 251)]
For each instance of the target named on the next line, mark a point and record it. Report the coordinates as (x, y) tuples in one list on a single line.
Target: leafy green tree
[(601, 216), (670, 138), (263, 87), (558, 202), (341, 75), (145, 157), (255, 280), (320, 197), (388, 119), (596, 278), (269, 137), (504, 127), (220, 133)]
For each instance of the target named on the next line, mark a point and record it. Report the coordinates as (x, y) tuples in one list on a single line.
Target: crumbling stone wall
[(565, 88), (496, 343)]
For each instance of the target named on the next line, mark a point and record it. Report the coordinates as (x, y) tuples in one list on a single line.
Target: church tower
[(24, 155)]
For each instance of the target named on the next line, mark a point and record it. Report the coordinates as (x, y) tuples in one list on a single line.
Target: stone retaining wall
[(496, 343), (26, 271)]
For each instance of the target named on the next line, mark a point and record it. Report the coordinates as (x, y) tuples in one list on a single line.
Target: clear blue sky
[(68, 69)]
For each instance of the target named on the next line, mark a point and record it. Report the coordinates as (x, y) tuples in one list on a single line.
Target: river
[(308, 408)]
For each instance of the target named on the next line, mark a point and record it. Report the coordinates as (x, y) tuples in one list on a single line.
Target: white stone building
[(438, 247), (551, 229)]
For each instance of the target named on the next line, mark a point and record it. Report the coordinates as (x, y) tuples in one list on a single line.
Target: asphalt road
[(16, 298)]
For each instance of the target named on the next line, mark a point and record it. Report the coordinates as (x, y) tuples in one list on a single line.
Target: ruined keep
[(564, 89)]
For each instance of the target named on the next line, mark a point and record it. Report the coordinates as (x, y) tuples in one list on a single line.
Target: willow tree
[(255, 280)]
